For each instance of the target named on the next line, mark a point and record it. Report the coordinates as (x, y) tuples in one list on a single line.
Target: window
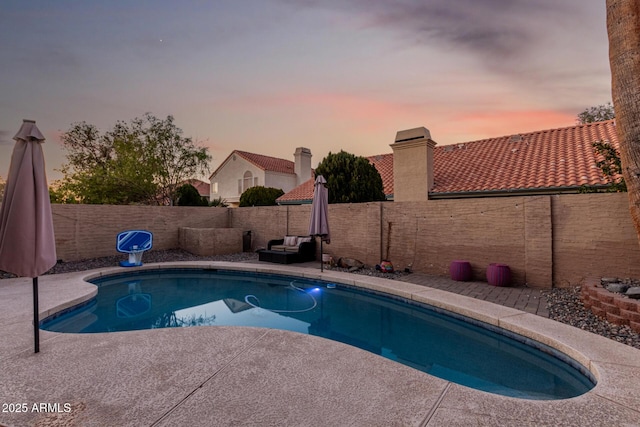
[(214, 188), (248, 180)]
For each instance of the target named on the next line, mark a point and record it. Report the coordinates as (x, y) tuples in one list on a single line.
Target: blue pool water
[(456, 349)]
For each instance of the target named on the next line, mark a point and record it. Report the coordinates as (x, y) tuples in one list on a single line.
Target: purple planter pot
[(460, 270), (498, 275)]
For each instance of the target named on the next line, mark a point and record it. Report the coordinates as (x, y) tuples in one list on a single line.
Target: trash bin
[(246, 241)]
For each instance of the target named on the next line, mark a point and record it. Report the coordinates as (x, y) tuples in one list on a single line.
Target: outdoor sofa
[(290, 249)]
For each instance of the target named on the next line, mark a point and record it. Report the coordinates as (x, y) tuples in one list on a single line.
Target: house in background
[(549, 161), (242, 170)]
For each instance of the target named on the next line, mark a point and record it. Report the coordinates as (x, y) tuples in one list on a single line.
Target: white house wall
[(227, 178), (286, 181)]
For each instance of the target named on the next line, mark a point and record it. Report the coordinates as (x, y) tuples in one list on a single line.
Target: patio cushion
[(302, 240), (284, 248), (290, 240)]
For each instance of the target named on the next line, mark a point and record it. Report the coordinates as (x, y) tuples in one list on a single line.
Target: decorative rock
[(633, 292), (631, 282), (350, 263), (606, 280), (617, 287)]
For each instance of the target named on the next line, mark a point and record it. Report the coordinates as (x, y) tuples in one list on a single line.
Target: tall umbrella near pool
[(319, 224), (27, 241)]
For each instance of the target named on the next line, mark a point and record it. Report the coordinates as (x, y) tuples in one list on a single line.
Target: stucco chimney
[(302, 166), (412, 164)]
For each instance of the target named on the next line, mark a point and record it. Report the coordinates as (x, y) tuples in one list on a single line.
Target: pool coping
[(616, 367)]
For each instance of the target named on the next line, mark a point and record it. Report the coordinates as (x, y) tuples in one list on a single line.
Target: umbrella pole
[(36, 323), (321, 260)]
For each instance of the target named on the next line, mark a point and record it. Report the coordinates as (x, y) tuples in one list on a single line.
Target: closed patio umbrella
[(27, 241), (319, 224)]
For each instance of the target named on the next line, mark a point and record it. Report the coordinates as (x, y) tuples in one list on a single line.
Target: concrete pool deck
[(248, 376)]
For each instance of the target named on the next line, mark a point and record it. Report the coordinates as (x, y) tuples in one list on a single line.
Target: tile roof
[(303, 193), (554, 158), (268, 163), (384, 165), (548, 159)]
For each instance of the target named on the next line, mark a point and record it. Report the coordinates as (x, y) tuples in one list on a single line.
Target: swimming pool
[(460, 350)]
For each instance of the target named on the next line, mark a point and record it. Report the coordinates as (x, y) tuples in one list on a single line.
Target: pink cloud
[(368, 113), (493, 124)]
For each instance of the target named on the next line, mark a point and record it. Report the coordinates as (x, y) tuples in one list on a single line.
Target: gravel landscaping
[(564, 304)]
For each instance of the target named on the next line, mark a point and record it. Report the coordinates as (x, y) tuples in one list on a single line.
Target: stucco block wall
[(89, 231), (298, 220), (355, 231), (429, 235), (271, 222), (546, 240), (593, 236), (265, 223), (538, 241), (210, 241)]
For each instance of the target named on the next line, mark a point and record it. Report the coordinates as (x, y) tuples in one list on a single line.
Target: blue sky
[(267, 76)]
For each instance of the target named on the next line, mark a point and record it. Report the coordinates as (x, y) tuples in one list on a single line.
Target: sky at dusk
[(267, 76)]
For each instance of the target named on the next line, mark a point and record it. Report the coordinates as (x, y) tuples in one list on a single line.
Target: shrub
[(219, 202), (260, 196), (350, 179), (187, 195)]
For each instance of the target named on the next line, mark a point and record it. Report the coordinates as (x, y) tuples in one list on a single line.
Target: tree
[(2, 185), (599, 113), (610, 166), (177, 158), (187, 195), (142, 161), (113, 168), (58, 193), (260, 196), (350, 179), (623, 28), (610, 163)]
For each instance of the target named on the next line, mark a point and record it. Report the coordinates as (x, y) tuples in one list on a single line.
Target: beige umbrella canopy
[(27, 241), (319, 223)]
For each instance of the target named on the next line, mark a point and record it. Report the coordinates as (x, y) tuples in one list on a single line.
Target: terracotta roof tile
[(301, 193), (384, 165), (544, 159), (268, 163)]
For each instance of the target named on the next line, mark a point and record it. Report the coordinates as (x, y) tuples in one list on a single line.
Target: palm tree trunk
[(623, 27)]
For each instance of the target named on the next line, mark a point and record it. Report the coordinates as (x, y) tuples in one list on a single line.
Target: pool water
[(455, 349)]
